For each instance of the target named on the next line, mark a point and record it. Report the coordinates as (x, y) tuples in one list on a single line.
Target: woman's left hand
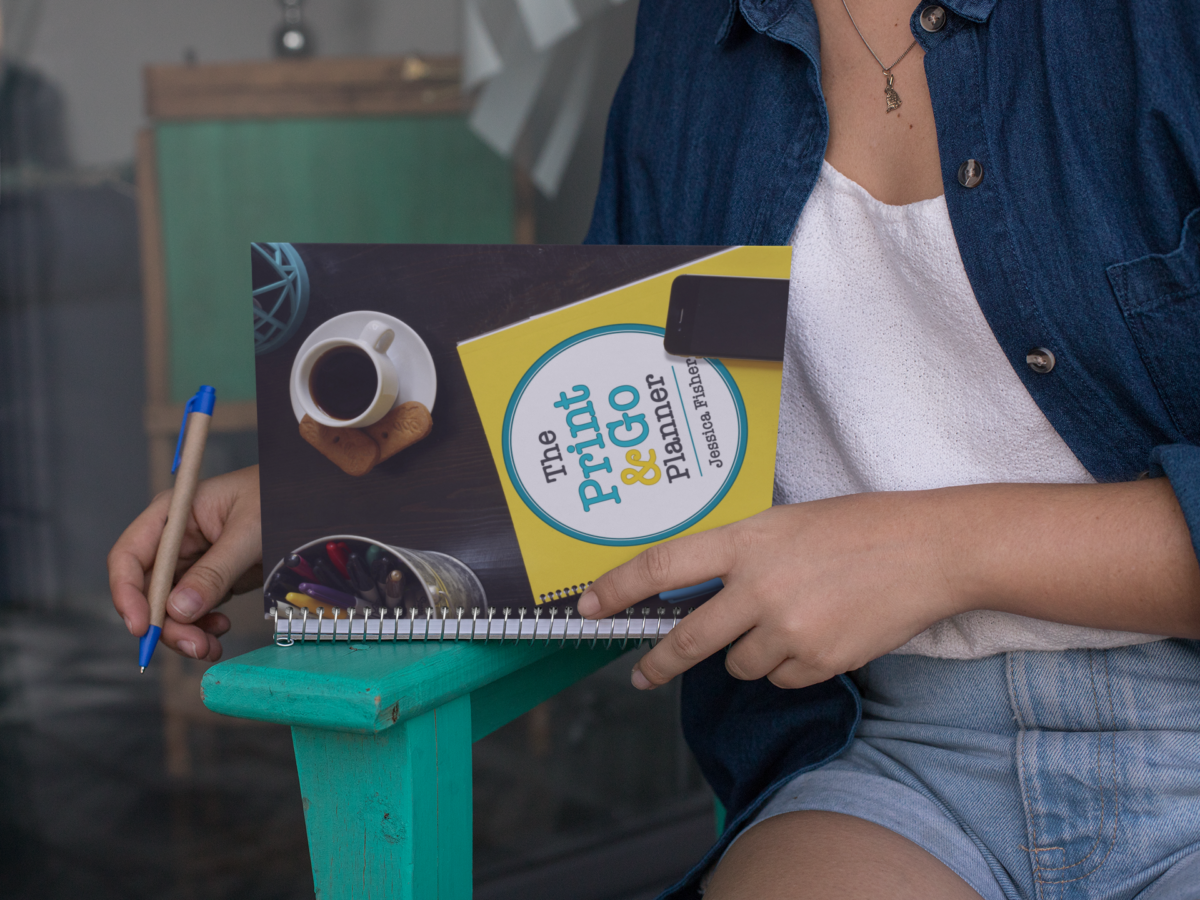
[(811, 590)]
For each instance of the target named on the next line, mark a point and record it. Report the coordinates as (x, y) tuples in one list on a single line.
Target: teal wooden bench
[(383, 736)]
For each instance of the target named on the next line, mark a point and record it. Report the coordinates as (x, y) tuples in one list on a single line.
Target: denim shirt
[(1083, 238)]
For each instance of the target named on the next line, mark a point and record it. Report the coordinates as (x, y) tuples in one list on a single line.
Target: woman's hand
[(817, 589), (811, 590), (221, 555)]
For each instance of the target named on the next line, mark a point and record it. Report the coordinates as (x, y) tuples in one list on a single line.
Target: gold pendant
[(889, 94)]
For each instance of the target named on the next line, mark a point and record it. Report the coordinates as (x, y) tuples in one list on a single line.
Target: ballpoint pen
[(189, 451)]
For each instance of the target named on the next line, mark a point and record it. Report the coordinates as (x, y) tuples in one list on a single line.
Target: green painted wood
[(360, 687), (223, 184), (498, 703), (389, 814)]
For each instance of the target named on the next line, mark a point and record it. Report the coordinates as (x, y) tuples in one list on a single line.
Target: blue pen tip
[(146, 644)]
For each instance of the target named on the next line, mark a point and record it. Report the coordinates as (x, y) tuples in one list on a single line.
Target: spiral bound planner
[(525, 625), (457, 440)]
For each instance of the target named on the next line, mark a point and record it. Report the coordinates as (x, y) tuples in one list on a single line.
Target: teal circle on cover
[(609, 439)]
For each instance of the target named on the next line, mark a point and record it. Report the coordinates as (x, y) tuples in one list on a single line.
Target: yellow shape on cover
[(605, 444)]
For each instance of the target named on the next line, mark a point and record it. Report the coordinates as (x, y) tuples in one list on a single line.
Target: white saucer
[(414, 364)]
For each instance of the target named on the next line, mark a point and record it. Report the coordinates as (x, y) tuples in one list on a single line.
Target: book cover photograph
[(455, 441)]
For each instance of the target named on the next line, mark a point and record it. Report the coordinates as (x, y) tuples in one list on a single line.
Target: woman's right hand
[(221, 555)]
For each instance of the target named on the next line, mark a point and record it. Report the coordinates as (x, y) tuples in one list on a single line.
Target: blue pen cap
[(205, 399), (202, 401), (679, 595)]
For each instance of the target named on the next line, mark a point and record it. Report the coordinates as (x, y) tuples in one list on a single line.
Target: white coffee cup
[(373, 342)]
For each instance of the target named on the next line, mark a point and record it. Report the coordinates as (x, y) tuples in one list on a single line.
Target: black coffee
[(343, 382)]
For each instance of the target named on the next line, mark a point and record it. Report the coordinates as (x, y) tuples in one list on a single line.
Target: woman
[(994, 329)]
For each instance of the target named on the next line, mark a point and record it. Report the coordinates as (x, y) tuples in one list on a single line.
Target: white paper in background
[(508, 47), (551, 164), (548, 21), (481, 58), (20, 25), (507, 99)]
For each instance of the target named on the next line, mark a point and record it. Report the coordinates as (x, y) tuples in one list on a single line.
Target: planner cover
[(430, 426), (606, 444)]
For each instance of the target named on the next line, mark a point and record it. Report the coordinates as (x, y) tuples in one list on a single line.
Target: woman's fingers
[(221, 552), (211, 579), (214, 623), (770, 652), (192, 641), (130, 560), (698, 635), (795, 673), (675, 564), (756, 654)]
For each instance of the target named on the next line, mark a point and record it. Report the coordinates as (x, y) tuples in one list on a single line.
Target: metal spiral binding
[(283, 641), (285, 635)]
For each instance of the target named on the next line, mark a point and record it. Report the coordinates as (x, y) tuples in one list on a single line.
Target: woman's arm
[(816, 589)]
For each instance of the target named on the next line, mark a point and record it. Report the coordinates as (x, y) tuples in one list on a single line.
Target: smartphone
[(718, 315)]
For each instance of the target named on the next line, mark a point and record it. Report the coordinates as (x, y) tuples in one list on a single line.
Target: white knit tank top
[(893, 380)]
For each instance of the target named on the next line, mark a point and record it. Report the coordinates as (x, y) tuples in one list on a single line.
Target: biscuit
[(350, 449), (402, 427)]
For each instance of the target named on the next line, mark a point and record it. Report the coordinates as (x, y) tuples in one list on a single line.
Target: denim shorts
[(1033, 775)]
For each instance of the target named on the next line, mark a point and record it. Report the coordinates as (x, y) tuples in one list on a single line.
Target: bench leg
[(389, 814)]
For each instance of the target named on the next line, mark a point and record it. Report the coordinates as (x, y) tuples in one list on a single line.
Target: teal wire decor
[(280, 304)]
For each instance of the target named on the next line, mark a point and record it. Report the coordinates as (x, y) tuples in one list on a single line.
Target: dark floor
[(592, 796)]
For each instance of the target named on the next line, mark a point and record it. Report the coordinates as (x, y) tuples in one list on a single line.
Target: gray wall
[(95, 49)]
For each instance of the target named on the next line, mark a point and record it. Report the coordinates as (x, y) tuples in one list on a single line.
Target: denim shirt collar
[(794, 21)]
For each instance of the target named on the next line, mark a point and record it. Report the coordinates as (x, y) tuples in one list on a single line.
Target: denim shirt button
[(1040, 360), (933, 18), (970, 173)]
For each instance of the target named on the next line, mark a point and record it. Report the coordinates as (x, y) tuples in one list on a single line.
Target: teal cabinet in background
[(223, 184), (325, 150)]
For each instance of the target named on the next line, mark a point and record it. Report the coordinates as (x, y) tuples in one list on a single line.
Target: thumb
[(210, 580)]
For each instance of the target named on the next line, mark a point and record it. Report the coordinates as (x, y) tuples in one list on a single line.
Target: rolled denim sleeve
[(1180, 463)]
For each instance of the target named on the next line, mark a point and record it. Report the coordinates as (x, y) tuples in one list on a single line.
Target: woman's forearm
[(1116, 556)]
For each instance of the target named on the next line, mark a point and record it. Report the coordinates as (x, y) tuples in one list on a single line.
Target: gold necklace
[(889, 92)]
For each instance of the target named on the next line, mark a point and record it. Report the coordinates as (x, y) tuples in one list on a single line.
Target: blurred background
[(143, 144)]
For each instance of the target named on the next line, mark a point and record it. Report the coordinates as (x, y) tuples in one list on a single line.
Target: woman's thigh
[(830, 856)]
